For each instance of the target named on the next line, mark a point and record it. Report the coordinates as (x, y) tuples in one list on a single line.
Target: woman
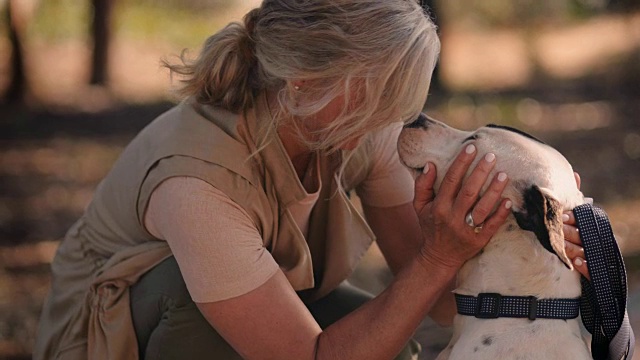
[(224, 229)]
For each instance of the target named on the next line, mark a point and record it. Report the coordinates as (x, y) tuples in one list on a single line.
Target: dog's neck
[(514, 263)]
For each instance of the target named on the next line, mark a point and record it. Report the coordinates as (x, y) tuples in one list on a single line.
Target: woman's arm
[(398, 236), (397, 231), (271, 321)]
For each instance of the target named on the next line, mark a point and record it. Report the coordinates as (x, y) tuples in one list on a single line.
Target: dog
[(526, 257)]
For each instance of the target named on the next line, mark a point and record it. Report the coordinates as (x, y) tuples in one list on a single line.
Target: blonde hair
[(377, 54)]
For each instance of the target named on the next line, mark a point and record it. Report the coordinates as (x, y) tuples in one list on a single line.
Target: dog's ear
[(542, 214)]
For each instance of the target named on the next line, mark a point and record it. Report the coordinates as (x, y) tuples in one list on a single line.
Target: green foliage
[(178, 26), (57, 20), (162, 20), (193, 5)]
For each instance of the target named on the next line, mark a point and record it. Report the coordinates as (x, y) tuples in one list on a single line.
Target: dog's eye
[(472, 137)]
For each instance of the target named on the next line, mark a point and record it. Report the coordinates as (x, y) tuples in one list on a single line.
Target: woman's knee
[(167, 323), (157, 291), (163, 281)]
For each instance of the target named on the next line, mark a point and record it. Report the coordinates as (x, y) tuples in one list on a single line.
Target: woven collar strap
[(492, 306)]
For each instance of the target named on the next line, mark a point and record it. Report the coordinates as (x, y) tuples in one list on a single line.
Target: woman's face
[(329, 113)]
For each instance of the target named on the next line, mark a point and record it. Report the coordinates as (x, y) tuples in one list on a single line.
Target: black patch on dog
[(540, 215), (487, 341), (472, 137), (508, 128)]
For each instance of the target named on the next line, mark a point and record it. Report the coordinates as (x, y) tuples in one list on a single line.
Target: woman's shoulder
[(194, 131)]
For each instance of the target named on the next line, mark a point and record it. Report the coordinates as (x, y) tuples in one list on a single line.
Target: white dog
[(526, 257)]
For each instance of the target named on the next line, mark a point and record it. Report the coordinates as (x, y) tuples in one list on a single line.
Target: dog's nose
[(421, 122)]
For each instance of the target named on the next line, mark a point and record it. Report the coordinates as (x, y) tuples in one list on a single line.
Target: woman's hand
[(449, 240), (573, 243)]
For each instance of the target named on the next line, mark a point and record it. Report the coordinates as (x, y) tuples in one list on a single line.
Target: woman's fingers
[(468, 195), (568, 218), (572, 234), (576, 254), (424, 187), (489, 199), (580, 264), (453, 178), (573, 244), (493, 223), (465, 197), (573, 250), (444, 225)]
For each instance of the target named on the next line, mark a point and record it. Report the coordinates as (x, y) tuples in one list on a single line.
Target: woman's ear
[(542, 214), (297, 84)]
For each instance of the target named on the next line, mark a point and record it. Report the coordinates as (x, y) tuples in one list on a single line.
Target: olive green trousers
[(168, 324)]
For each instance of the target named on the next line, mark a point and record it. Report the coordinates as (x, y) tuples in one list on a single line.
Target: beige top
[(87, 314), (217, 245)]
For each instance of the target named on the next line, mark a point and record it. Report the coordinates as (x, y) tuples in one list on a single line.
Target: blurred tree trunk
[(101, 33), (18, 83), (623, 5)]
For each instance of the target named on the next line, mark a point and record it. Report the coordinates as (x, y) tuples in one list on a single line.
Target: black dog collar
[(604, 298), (492, 306)]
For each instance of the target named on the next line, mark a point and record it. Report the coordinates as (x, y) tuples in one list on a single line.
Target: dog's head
[(542, 183)]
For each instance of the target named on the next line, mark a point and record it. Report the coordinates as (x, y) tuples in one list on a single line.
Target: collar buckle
[(533, 307), (488, 306)]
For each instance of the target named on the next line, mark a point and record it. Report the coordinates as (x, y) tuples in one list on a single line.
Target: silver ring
[(469, 220)]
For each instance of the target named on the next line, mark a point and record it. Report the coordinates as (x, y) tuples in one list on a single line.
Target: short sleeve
[(389, 183), (216, 244)]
